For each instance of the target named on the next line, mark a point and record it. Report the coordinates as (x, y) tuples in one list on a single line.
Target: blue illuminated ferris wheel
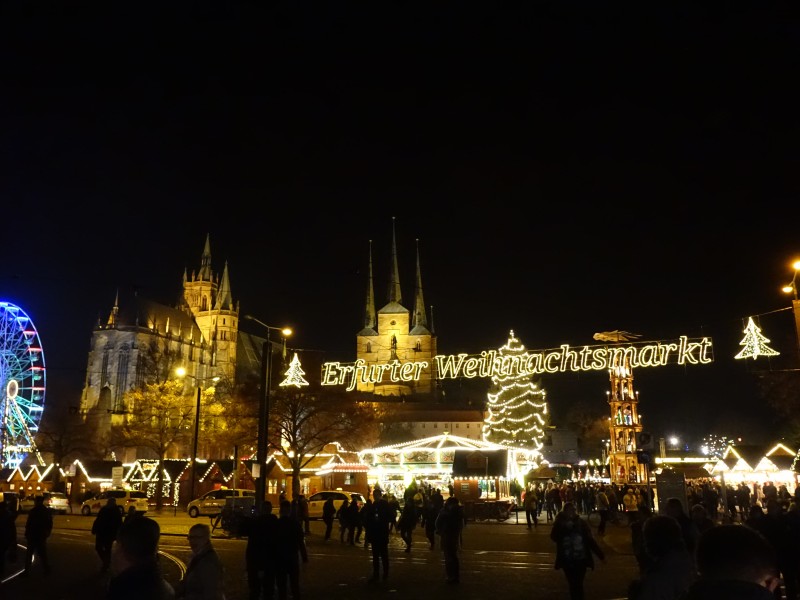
[(22, 385)]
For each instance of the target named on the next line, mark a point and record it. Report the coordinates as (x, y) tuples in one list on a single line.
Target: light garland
[(517, 407), (294, 374), (754, 343)]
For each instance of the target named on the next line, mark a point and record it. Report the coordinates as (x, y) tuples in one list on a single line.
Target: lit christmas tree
[(517, 407), (754, 342), (294, 374)]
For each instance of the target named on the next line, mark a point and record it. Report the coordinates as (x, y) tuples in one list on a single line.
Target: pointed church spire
[(224, 299), (112, 318), (205, 261), (420, 320), (369, 308), (394, 279)]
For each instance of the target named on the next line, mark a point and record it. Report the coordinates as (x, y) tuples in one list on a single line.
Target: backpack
[(572, 547)]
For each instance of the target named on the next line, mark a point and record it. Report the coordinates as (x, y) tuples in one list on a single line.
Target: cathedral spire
[(205, 261), (224, 299), (394, 279), (420, 320), (112, 318), (369, 308)]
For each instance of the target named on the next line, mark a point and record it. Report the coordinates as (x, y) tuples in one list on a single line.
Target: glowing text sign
[(490, 363)]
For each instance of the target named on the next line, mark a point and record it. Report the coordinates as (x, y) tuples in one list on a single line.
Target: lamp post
[(263, 406), (181, 372), (791, 288)]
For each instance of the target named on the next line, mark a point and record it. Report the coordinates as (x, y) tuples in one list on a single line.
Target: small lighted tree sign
[(517, 407), (294, 374), (754, 343)]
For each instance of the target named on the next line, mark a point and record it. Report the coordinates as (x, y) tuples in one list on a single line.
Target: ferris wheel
[(22, 385)]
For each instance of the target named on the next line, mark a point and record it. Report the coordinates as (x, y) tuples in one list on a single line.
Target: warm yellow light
[(788, 289), (180, 371), (796, 265), (286, 331)]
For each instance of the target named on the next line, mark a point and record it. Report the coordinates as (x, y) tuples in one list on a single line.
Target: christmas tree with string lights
[(754, 343), (294, 374), (517, 407)]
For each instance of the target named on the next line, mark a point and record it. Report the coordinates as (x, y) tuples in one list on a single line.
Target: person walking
[(134, 562), (575, 549), (8, 536), (38, 527), (259, 553), (343, 517), (328, 515), (377, 525), (429, 514), (366, 509), (302, 502), (631, 505), (530, 505), (602, 505), (407, 524), (105, 527), (130, 514), (354, 523), (449, 524), (289, 548), (205, 575)]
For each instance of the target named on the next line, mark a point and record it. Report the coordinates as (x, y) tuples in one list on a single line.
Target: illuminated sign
[(490, 363)]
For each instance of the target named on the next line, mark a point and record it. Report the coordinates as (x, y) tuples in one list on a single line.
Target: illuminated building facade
[(394, 335)]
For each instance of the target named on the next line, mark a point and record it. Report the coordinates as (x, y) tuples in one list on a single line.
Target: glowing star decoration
[(294, 375), (754, 342), (517, 407)]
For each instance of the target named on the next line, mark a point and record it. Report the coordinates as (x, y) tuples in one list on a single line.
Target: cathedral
[(142, 341)]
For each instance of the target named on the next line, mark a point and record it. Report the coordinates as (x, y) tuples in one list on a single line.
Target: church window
[(122, 378), (369, 347), (104, 370), (204, 303), (418, 346)]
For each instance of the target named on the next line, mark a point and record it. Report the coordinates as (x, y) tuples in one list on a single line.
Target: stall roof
[(478, 463)]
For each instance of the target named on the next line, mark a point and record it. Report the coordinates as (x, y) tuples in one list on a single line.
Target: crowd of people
[(700, 546)]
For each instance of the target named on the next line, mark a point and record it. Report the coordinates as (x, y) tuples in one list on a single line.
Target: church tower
[(208, 299), (393, 334), (625, 425)]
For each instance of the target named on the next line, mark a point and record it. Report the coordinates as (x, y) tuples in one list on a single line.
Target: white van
[(211, 503)]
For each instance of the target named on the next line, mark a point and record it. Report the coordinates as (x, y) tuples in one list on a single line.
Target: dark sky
[(567, 168)]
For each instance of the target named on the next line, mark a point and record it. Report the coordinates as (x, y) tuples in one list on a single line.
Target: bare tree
[(303, 423), (159, 418)]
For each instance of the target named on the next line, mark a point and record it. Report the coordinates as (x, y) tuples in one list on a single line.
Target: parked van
[(211, 503)]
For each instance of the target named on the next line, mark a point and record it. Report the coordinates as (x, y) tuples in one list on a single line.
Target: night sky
[(567, 169)]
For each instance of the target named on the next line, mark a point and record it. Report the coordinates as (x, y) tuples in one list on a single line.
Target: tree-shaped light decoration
[(517, 407), (294, 374), (754, 343)]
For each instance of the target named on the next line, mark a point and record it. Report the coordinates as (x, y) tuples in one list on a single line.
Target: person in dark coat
[(354, 523), (8, 535), (407, 524), (429, 513), (105, 527), (134, 562), (289, 548), (377, 524), (575, 548), (259, 562), (734, 563), (38, 527), (365, 510), (342, 515), (328, 515), (449, 524), (671, 568)]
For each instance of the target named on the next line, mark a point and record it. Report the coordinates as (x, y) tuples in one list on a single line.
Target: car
[(125, 499), (316, 500), (211, 503), (55, 501)]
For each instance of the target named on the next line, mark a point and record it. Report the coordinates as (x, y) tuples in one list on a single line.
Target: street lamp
[(181, 372), (263, 406), (792, 289)]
